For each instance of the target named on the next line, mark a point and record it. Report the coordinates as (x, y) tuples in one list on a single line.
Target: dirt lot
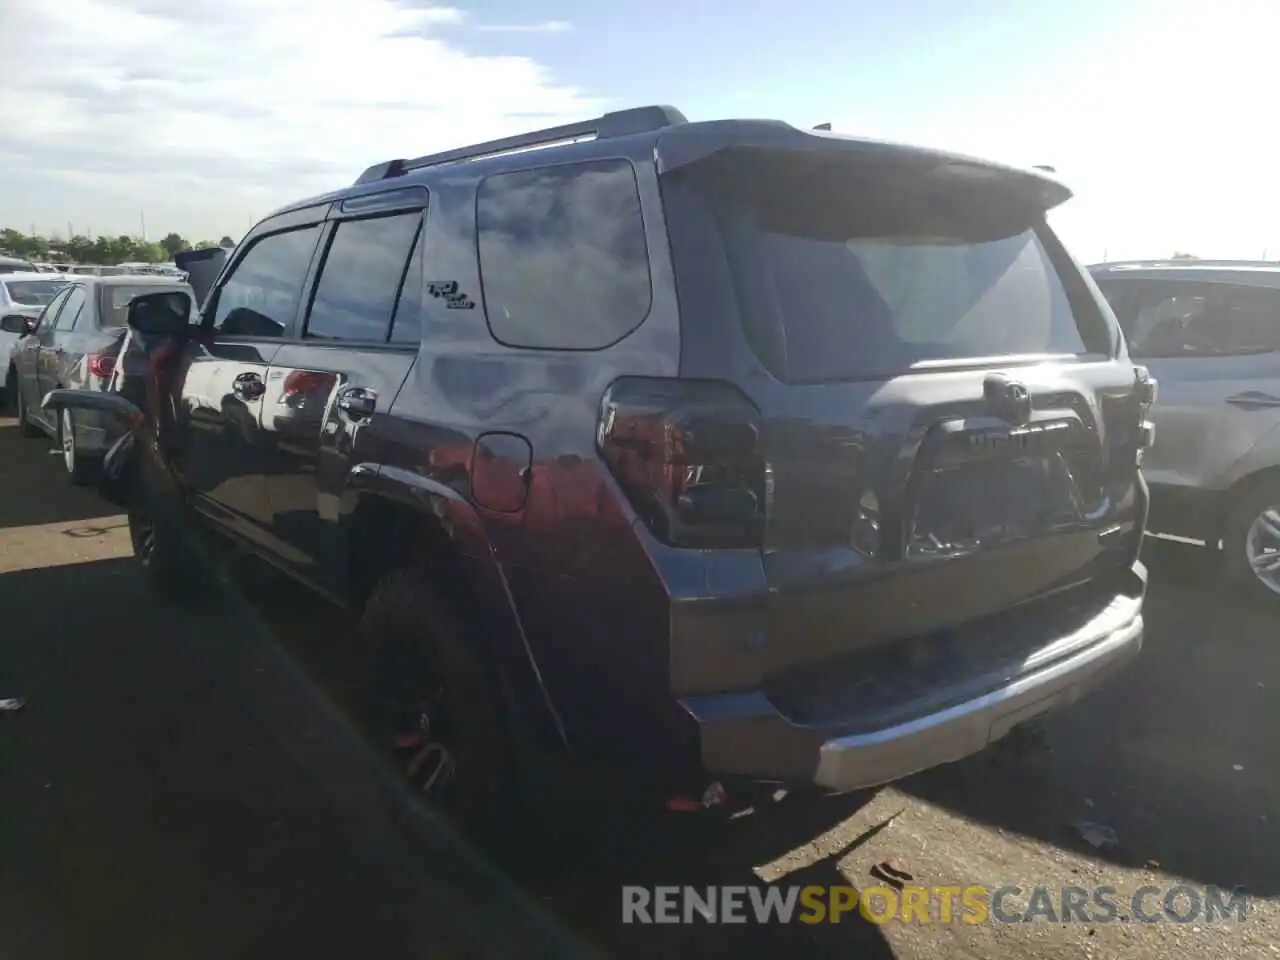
[(187, 784)]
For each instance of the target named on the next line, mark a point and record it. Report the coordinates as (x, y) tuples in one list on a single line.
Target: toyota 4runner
[(718, 452)]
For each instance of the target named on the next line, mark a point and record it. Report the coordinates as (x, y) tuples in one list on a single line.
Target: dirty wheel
[(1252, 543), (434, 703)]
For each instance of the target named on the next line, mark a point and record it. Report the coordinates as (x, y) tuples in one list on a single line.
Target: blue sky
[(1154, 112)]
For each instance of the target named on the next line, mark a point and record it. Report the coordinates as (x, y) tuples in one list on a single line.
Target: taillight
[(1146, 388), (101, 365), (305, 381), (1145, 391), (687, 454)]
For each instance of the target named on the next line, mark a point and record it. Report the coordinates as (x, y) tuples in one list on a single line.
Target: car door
[(328, 392), (58, 354), (1213, 348), (27, 358), (51, 344), (217, 450)]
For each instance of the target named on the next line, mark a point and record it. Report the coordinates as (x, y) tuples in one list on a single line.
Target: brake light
[(687, 455), (1145, 390), (101, 365)]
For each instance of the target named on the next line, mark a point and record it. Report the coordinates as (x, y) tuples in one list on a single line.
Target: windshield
[(33, 293), (114, 304), (845, 274)]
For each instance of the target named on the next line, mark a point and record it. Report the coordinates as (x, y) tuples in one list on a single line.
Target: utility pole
[(70, 232), (143, 215)]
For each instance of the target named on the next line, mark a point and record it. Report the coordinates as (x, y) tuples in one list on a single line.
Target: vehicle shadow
[(175, 786), (590, 897), (583, 882), (36, 488), (1176, 754)]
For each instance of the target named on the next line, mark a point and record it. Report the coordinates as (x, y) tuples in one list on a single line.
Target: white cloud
[(546, 26), (218, 112)]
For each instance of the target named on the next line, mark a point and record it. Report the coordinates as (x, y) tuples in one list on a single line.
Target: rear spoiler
[(202, 268), (684, 146)]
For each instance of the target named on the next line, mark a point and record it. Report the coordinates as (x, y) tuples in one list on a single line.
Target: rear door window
[(1177, 318), (842, 274), (361, 278), (563, 259), (1252, 316), (71, 311)]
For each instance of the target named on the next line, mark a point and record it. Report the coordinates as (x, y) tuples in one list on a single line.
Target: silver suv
[(1209, 332)]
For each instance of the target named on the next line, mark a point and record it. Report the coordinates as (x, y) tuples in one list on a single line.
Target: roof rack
[(619, 123), (1183, 262)]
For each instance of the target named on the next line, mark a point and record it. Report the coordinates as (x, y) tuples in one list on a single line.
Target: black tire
[(9, 394), (1236, 537), (82, 469), (167, 565), (425, 664), (25, 426)]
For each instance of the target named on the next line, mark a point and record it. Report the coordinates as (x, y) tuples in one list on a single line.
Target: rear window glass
[(33, 293), (562, 255), (113, 308), (845, 275)]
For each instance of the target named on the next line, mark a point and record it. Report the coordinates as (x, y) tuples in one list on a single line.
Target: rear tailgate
[(949, 420)]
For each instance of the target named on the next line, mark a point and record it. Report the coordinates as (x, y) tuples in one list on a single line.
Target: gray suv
[(704, 453), (1209, 331)]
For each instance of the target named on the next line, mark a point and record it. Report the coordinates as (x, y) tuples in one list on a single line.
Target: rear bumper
[(747, 735)]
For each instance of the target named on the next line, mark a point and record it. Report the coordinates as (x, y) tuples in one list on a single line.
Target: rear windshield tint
[(33, 293), (843, 273), (113, 307)]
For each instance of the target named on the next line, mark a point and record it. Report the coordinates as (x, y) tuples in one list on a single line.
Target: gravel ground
[(187, 784)]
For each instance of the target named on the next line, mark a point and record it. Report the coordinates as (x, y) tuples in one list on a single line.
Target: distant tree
[(150, 252), (1184, 256), (205, 245), (174, 244), (226, 242), (80, 249)]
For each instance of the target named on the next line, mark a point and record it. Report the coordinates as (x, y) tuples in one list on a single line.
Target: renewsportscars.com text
[(971, 904)]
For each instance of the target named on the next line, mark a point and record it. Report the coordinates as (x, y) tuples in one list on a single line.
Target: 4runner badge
[(448, 291)]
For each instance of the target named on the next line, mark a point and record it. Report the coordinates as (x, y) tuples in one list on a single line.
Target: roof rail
[(619, 123), (1183, 262)]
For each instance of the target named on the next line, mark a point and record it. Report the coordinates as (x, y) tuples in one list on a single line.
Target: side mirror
[(16, 323), (161, 314)]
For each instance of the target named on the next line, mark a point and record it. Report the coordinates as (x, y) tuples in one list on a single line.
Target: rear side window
[(844, 273), (72, 310), (260, 296), (1253, 320), (361, 278), (563, 259)]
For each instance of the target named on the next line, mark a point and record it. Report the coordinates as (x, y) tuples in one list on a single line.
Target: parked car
[(708, 453), (22, 297), (16, 265), (1210, 333), (73, 342)]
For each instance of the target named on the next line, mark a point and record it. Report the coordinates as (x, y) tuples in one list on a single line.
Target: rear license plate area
[(966, 506)]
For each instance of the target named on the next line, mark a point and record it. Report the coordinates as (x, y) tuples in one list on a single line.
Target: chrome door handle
[(1254, 400), (357, 403), (248, 386)]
